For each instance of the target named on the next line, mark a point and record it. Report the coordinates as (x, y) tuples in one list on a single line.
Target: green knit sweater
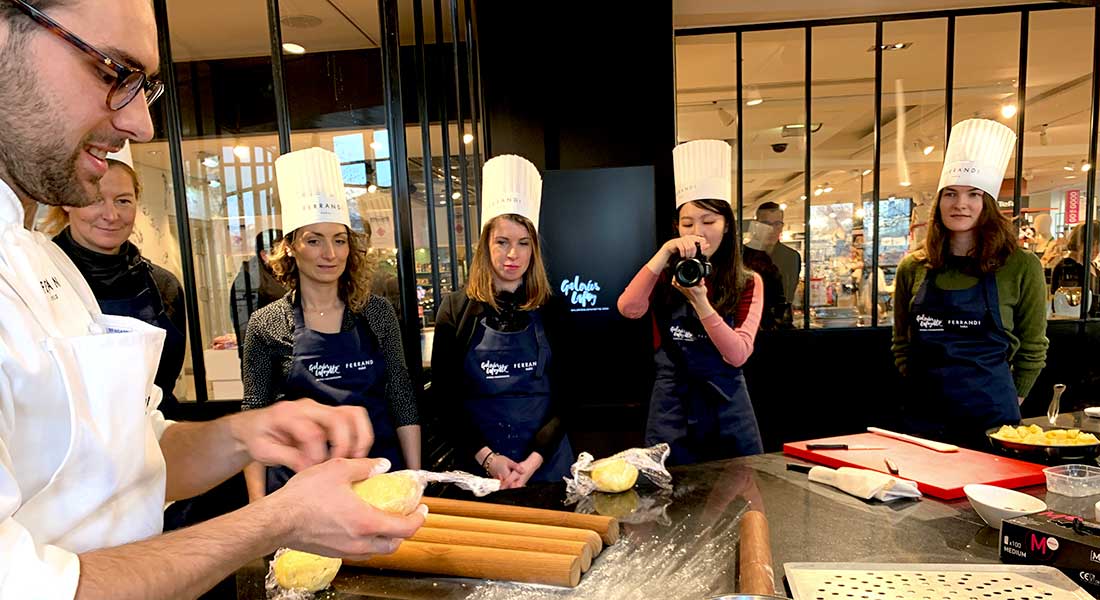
[(1022, 294)]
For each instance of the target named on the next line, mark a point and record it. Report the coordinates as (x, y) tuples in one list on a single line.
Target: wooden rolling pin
[(509, 542), (479, 563), (607, 527), (512, 528), (755, 556)]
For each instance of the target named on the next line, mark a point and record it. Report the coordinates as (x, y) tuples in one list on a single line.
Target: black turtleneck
[(111, 276)]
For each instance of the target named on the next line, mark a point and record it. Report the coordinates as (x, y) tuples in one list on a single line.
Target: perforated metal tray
[(878, 581)]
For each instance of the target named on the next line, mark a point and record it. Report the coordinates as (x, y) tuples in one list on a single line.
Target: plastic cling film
[(278, 592), (649, 462), (399, 492)]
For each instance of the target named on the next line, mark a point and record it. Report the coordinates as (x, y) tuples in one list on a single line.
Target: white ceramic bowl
[(995, 504)]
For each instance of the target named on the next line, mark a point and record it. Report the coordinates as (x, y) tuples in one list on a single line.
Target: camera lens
[(689, 272)]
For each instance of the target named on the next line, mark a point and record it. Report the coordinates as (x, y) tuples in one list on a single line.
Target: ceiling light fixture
[(754, 97), (1085, 166), (1071, 177), (929, 149), (755, 102), (456, 196), (1008, 110), (866, 172), (468, 138), (892, 47), (241, 151), (1068, 167), (828, 189), (782, 206), (292, 48), (802, 197), (818, 191), (725, 117), (905, 183), (372, 188)]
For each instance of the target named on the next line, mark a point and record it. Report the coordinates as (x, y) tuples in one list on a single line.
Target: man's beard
[(32, 154)]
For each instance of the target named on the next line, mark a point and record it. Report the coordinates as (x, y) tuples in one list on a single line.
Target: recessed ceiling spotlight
[(1008, 110), (292, 48)]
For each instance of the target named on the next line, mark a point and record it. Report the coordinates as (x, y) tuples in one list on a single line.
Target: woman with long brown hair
[(969, 307), (329, 339), (494, 363), (705, 323)]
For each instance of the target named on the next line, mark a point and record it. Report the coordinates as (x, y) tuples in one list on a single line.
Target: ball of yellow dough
[(615, 505), (614, 475), (294, 569), (391, 492)]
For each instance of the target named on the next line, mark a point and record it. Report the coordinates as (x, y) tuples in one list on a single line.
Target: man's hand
[(326, 517), (302, 433)]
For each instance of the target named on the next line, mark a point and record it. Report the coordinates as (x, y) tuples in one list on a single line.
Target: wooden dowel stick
[(607, 527), (479, 563)]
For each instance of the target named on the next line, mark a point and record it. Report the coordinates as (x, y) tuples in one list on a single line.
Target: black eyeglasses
[(128, 81)]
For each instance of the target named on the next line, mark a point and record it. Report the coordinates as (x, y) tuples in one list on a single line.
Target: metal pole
[(402, 204), (740, 143), (1090, 184), (1021, 108), (445, 136), (462, 164), (426, 146), (475, 102), (282, 110), (174, 129), (807, 90), (949, 83), (876, 177)]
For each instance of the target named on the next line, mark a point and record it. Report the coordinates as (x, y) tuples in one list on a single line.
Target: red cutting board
[(938, 474)]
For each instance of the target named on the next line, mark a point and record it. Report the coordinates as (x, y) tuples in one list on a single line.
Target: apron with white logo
[(341, 369), (506, 373)]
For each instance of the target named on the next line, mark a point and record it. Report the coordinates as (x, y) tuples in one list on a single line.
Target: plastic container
[(1073, 480)]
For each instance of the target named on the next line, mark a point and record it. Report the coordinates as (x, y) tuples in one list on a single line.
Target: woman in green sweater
[(970, 306)]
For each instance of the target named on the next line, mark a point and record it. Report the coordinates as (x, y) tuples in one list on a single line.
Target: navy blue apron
[(148, 306), (959, 363), (506, 373), (700, 404), (341, 369)]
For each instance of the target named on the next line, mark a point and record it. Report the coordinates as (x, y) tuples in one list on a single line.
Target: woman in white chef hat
[(705, 325), (329, 339), (494, 360), (970, 306)]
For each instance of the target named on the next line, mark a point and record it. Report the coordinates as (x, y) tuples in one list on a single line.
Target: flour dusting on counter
[(685, 562)]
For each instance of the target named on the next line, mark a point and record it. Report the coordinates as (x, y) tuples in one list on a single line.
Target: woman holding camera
[(494, 362), (706, 308)]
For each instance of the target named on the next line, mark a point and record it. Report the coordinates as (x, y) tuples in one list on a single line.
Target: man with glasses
[(86, 460), (787, 260)]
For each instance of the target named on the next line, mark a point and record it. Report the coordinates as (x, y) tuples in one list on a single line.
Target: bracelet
[(488, 461)]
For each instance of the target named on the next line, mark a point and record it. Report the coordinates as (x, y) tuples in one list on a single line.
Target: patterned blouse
[(269, 350)]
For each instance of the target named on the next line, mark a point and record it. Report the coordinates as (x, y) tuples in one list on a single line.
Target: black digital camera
[(689, 272)]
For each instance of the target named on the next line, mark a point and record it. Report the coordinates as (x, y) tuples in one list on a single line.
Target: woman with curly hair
[(329, 339), (970, 306)]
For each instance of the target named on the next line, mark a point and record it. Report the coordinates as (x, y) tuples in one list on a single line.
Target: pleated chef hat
[(703, 171), (977, 155), (510, 185), (311, 189), (124, 155)]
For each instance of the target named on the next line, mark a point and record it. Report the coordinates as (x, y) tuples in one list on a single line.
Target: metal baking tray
[(878, 581)]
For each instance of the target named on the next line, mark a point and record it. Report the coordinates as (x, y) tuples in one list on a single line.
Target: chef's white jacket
[(80, 461)]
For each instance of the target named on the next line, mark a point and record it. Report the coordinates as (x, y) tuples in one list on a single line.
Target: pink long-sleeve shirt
[(735, 344)]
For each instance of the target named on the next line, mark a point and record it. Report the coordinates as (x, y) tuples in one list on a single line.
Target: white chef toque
[(311, 189), (510, 184), (124, 155), (977, 155), (704, 171)]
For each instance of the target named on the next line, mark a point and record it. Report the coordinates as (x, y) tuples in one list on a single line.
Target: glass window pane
[(706, 91), (913, 126), (1056, 146), (774, 146), (843, 118), (223, 71), (985, 81)]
